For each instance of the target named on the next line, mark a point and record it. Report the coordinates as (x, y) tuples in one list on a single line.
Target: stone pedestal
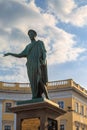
[(44, 111)]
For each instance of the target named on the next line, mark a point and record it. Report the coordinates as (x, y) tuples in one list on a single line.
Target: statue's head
[(32, 34)]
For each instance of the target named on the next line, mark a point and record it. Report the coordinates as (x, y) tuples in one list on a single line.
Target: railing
[(6, 84), (51, 85), (15, 86), (59, 83)]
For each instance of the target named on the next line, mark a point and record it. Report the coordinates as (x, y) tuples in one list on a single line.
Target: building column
[(1, 115), (14, 119)]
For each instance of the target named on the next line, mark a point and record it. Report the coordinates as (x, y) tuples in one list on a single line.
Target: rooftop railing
[(51, 85), (14, 86)]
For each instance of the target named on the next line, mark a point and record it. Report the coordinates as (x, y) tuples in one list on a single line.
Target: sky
[(60, 24)]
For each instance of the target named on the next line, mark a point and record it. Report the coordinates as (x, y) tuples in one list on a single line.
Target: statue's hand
[(6, 54)]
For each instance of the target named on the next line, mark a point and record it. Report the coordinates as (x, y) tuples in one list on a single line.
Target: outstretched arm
[(20, 55)]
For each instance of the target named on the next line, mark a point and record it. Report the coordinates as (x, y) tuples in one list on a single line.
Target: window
[(82, 110), (61, 104), (76, 107), (62, 127), (7, 127), (52, 124), (7, 106), (77, 127)]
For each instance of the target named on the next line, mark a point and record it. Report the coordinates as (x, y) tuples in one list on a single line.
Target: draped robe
[(35, 53)]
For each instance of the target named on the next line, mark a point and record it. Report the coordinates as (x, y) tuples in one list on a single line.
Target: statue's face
[(31, 35)]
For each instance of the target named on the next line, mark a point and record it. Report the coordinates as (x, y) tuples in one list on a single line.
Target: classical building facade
[(69, 95)]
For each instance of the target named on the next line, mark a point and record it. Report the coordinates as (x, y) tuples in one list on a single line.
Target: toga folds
[(36, 66)]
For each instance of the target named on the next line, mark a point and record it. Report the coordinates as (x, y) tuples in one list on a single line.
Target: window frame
[(7, 107), (77, 107), (63, 127), (82, 110), (61, 105), (77, 127), (7, 128)]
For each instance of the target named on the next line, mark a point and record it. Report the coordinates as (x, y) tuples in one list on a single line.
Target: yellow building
[(69, 95)]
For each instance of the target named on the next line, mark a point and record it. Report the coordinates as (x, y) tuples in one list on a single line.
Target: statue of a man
[(35, 53)]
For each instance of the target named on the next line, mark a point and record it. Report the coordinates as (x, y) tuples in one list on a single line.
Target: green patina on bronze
[(35, 53), (36, 100)]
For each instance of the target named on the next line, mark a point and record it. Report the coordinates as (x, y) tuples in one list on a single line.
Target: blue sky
[(62, 25)]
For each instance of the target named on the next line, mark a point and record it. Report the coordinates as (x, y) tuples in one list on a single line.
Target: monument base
[(41, 115)]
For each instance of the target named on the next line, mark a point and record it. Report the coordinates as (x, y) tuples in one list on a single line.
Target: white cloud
[(79, 16), (62, 48), (69, 12), (61, 7), (17, 17), (17, 75)]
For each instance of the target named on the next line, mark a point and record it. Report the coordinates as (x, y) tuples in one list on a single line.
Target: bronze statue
[(35, 53)]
